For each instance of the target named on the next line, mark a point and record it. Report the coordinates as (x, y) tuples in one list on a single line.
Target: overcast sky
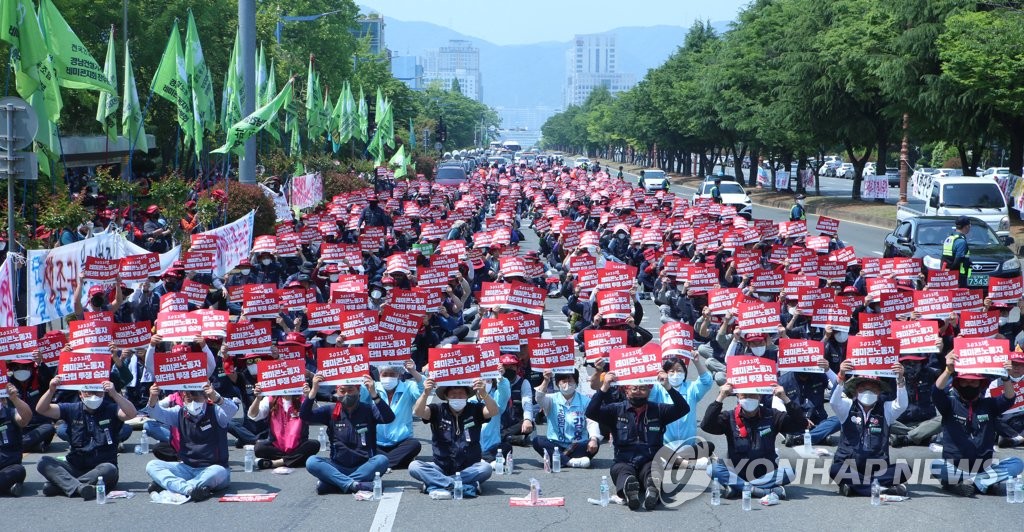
[(533, 21)]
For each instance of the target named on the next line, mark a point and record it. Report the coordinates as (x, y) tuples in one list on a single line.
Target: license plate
[(977, 280)]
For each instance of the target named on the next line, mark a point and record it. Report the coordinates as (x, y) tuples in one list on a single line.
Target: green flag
[(376, 148), (261, 75), (200, 84), (76, 69), (131, 116), (171, 82), (412, 135), (397, 162), (349, 120), (378, 109), (387, 125), (363, 115), (335, 128), (106, 110), (268, 93), (34, 71), (254, 123), (312, 102), (234, 88)]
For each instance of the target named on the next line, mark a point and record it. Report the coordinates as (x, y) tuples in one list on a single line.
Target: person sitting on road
[(31, 378), (455, 429), (919, 423), (395, 439), (288, 444), (490, 435), (576, 437), (517, 420), (202, 425), (750, 431), (1010, 426), (681, 435), (14, 416), (808, 391), (352, 432)]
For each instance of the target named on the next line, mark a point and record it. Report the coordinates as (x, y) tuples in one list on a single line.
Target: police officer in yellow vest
[(797, 212), (956, 255)]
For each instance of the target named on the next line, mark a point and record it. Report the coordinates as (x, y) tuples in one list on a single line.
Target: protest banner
[(873, 324), (132, 335), (933, 303), (199, 261), (245, 336), (8, 312), (635, 365), (194, 292), (1008, 290), (260, 301), (800, 356), (180, 371), (598, 342), (833, 315), (83, 371), (90, 336), (501, 331), (389, 348), (676, 340), (173, 302), (916, 336), (178, 326), (981, 355), (399, 322), (557, 355), (758, 316), (610, 278), (18, 342), (458, 365), (281, 377), (751, 374), (50, 347), (323, 317), (138, 268), (979, 324), (1018, 396), (872, 356), (614, 305), (343, 366), (100, 269)]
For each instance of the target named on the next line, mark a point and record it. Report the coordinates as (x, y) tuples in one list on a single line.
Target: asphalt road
[(811, 506)]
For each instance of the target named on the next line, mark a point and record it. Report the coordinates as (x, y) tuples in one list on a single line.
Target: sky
[(533, 21)]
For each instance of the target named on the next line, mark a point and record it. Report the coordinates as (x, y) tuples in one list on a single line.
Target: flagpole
[(138, 131), (63, 162)]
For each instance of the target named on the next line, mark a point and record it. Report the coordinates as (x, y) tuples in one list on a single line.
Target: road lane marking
[(387, 509)]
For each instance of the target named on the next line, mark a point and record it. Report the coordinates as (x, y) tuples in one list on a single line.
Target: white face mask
[(332, 338), (675, 379), (842, 337), (334, 278), (757, 350), (252, 369), (376, 294), (246, 271), (457, 404), (92, 402), (749, 404), (196, 408), (265, 262), (3, 245), (765, 298), (389, 383), (23, 374), (567, 388), (1003, 320), (488, 387), (867, 398)]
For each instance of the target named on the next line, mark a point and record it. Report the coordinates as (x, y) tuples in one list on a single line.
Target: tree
[(455, 86)]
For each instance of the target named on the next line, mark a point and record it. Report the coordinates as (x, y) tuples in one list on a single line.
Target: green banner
[(254, 123), (200, 83), (106, 109), (76, 68), (171, 82), (131, 116)]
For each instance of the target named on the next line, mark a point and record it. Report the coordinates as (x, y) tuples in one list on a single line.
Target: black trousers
[(401, 454), (295, 459), (620, 471), (69, 479), (10, 476), (31, 439)]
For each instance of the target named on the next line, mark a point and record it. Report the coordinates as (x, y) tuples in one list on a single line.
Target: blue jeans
[(429, 474), (948, 473), (726, 477), (126, 432), (345, 478), (182, 479), (157, 430), (824, 429)]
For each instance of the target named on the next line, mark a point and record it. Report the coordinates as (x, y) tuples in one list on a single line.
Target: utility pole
[(904, 160), (247, 40)]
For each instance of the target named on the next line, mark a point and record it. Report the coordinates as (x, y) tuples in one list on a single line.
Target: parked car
[(580, 161), (922, 237), (996, 172), (845, 171), (654, 179), (732, 194), (829, 165)]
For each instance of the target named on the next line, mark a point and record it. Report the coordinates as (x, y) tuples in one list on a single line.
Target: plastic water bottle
[(605, 491), (378, 487), (250, 458), (556, 461), (807, 442), (1011, 490), (510, 464), (101, 491), (547, 461), (534, 491), (322, 438), (499, 464), (144, 442), (457, 489), (876, 493), (747, 492), (1018, 495), (716, 492)]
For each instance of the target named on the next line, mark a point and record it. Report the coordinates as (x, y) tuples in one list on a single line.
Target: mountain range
[(532, 75)]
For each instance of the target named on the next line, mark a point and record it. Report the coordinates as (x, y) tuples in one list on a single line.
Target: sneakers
[(832, 440), (896, 489), (200, 494), (264, 463), (87, 492), (324, 488), (702, 463), (440, 495), (15, 490), (729, 493), (631, 490), (51, 491), (963, 489), (153, 488), (845, 490), (779, 492), (362, 486), (582, 463), (793, 440), (998, 488), (652, 495), (898, 440)]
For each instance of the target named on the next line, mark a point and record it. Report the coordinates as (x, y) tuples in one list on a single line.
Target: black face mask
[(969, 393), (637, 401), (911, 371), (348, 401), (511, 374), (97, 302)]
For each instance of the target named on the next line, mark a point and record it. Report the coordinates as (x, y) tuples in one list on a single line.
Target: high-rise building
[(408, 70), (591, 63), (460, 60), (372, 25)]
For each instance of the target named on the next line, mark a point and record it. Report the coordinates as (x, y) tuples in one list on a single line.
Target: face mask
[(334, 278), (757, 350), (23, 374), (867, 398), (1012, 378), (348, 401), (195, 408), (332, 338), (749, 404), (622, 236), (842, 337), (911, 370), (265, 262), (764, 298), (97, 302), (790, 309), (246, 271), (1003, 320), (92, 402), (252, 369), (969, 394), (457, 404), (389, 383), (567, 388), (375, 294), (800, 202), (488, 387), (511, 374), (675, 379), (637, 401)]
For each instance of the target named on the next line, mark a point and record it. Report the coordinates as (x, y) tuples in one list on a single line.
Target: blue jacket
[(683, 430), (490, 434)]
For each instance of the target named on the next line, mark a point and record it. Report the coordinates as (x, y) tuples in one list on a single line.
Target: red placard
[(292, 299), (616, 278), (178, 326), (245, 336), (91, 336), (835, 315), (981, 355), (501, 331), (979, 324), (583, 261), (916, 336), (281, 377), (635, 365), (968, 299), (872, 356), (528, 325), (843, 256), (1007, 290), (400, 322), (1018, 396), (817, 243), (413, 301), (800, 356), (827, 226), (350, 282), (701, 279), (598, 342), (138, 268), (351, 300), (18, 342), (324, 317), (933, 303), (751, 374), (873, 324), (940, 278), (747, 261), (355, 325), (558, 355), (133, 335), (901, 267), (490, 361), (614, 305), (899, 303), (676, 340), (724, 300), (199, 261), (260, 301), (83, 371), (458, 365), (758, 316), (214, 323), (173, 302), (180, 371), (195, 292), (101, 315), (343, 366), (768, 281), (264, 244), (3, 379), (50, 347), (101, 270), (877, 286), (526, 298), (388, 348)]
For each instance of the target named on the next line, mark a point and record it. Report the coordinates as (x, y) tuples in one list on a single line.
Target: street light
[(302, 18)]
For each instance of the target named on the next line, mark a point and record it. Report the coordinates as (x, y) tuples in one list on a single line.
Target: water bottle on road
[(716, 492), (1018, 495), (457, 489), (876, 493), (101, 491), (378, 487), (510, 464), (747, 492), (499, 464), (807, 442), (556, 461), (250, 458), (605, 491), (322, 438)]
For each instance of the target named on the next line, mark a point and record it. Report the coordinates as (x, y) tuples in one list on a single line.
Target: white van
[(977, 197)]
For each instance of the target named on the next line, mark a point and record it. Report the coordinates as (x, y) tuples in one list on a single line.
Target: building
[(525, 118), (591, 63), (408, 70), (460, 60), (372, 25)]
